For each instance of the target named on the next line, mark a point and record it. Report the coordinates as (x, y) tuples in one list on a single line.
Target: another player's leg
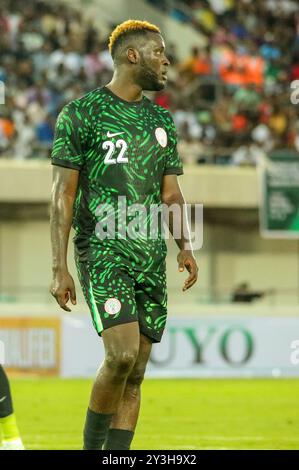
[(8, 426), (124, 422), (121, 350)]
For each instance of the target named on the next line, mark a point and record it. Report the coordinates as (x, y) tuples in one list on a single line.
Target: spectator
[(243, 293), (199, 63), (278, 120), (25, 140)]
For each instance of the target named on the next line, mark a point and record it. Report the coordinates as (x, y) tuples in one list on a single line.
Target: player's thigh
[(145, 348), (137, 374), (122, 342)]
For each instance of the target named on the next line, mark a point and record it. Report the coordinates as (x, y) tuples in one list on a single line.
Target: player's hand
[(186, 260), (63, 289)]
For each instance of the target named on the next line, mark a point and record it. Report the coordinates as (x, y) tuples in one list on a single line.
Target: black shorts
[(116, 295)]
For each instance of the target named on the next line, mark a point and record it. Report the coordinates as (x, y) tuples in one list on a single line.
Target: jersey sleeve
[(68, 146), (173, 163)]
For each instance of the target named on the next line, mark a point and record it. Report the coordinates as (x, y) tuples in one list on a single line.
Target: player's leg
[(110, 294), (124, 422), (121, 350), (151, 301), (9, 430)]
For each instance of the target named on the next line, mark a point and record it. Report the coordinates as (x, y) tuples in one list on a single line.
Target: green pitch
[(175, 414)]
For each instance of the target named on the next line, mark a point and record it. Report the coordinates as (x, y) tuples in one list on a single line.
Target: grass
[(175, 414)]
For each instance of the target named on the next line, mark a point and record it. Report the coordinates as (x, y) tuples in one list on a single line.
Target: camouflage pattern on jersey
[(121, 149)]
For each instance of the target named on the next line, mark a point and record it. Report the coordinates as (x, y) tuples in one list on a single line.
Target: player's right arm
[(64, 189), (67, 160)]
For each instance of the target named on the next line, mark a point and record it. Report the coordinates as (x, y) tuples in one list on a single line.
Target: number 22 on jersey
[(114, 156)]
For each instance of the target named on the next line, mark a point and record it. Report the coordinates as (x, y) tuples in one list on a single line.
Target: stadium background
[(229, 93)]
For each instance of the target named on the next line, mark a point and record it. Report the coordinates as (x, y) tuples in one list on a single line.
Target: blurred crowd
[(230, 98), (48, 56)]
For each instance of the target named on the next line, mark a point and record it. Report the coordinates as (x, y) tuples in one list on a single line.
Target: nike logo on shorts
[(2, 399)]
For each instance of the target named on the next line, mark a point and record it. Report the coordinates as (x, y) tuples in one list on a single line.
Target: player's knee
[(122, 362)]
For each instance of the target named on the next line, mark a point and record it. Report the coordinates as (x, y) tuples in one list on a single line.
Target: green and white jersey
[(122, 149)]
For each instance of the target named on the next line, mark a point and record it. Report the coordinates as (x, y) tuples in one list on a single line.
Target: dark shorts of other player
[(117, 295)]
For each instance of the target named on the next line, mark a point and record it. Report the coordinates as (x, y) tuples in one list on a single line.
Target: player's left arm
[(171, 194)]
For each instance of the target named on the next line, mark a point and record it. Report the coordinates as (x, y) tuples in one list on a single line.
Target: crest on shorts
[(161, 136), (112, 306)]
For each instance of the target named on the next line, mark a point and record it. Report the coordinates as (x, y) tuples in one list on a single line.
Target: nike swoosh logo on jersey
[(2, 399), (110, 134)]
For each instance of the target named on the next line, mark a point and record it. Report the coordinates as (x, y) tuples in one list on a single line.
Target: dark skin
[(117, 386), (64, 189), (171, 194)]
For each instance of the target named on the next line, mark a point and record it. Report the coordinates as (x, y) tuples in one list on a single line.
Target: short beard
[(147, 79)]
